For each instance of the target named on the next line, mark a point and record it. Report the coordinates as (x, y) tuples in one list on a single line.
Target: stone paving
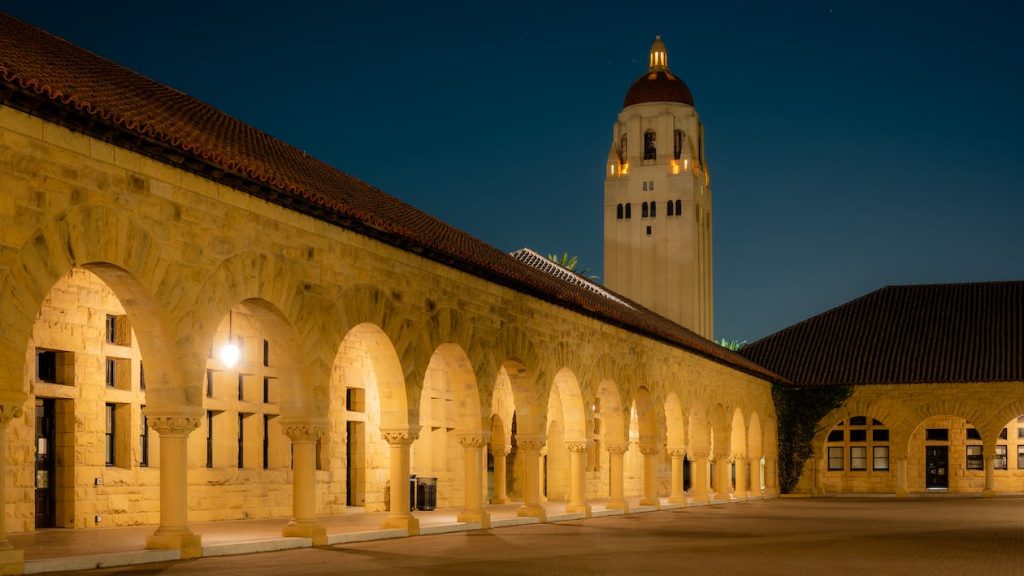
[(784, 537)]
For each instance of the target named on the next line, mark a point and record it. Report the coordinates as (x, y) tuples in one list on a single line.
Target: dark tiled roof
[(905, 334), (49, 77), (658, 86), (546, 265)]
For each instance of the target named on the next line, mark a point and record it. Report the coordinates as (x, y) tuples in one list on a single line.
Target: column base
[(534, 511), (579, 509), (12, 562), (655, 502), (410, 524), (315, 532), (618, 505), (677, 499), (189, 543), (483, 518), (503, 500), (988, 493)]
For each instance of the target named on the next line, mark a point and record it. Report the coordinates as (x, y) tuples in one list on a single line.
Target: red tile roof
[(49, 77), (906, 334)]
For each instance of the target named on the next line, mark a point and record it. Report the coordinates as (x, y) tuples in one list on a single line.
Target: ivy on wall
[(799, 410)]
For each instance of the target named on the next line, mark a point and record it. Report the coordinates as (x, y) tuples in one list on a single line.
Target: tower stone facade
[(657, 200)]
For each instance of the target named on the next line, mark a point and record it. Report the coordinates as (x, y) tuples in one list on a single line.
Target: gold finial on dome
[(659, 56)]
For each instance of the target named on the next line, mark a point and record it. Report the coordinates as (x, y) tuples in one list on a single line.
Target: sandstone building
[(141, 231)]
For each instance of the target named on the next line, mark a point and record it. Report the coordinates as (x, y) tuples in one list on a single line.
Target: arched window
[(855, 445), (618, 212), (677, 144), (629, 211), (670, 206), (654, 209), (622, 148), (643, 210), (650, 145), (679, 207)]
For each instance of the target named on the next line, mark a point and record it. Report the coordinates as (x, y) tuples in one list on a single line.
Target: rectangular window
[(1020, 432), (651, 186), (880, 458), (241, 387), (111, 448), (835, 458), (937, 434), (1002, 435), (209, 383), (1001, 457), (1020, 457), (241, 440), (266, 389), (266, 353), (144, 440), (858, 435), (209, 439), (836, 435), (858, 457), (975, 458), (266, 441), (111, 373), (973, 434), (46, 366), (648, 230), (111, 329), (142, 377), (118, 331), (645, 185), (880, 435)]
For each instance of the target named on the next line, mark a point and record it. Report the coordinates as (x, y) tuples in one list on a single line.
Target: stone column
[(304, 434), (819, 465), (578, 488), (700, 481), (650, 452), (400, 515), (616, 497), (530, 448), (472, 450), (500, 455), (543, 470), (677, 496), (740, 491), (11, 561), (990, 466), (901, 477), (174, 426), (723, 478), (771, 477)]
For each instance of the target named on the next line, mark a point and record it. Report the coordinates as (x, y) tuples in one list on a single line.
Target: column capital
[(473, 440), (648, 449), (617, 448), (9, 412), (303, 430), (739, 456), (577, 447), (699, 454), (400, 437), (501, 449), (676, 452), (530, 442), (174, 421)]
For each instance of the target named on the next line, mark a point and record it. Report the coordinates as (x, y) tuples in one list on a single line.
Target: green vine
[(798, 411)]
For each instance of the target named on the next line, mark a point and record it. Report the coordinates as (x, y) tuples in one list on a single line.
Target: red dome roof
[(658, 86)]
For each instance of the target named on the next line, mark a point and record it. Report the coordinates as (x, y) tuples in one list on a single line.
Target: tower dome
[(659, 84)]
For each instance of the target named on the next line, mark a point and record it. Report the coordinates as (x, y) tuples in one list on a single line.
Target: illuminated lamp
[(229, 352)]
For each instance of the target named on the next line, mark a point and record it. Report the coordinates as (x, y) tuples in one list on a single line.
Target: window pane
[(880, 457), (858, 457), (1001, 456), (835, 436), (835, 458), (858, 421), (1020, 457), (858, 435), (973, 434), (975, 458), (936, 434), (880, 435)]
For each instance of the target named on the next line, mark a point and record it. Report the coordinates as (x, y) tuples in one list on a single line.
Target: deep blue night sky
[(851, 144)]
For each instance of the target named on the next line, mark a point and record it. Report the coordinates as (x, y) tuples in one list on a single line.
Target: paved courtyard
[(787, 537)]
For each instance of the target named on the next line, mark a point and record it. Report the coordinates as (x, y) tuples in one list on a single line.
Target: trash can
[(412, 492), (426, 493)]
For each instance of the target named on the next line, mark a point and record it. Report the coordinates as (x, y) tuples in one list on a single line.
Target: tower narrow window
[(622, 148), (209, 439), (669, 208), (109, 436), (629, 211), (650, 145), (679, 207), (144, 440), (618, 212), (644, 211), (677, 144), (654, 209)]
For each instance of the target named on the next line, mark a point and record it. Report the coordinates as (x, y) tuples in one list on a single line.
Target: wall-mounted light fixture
[(229, 352)]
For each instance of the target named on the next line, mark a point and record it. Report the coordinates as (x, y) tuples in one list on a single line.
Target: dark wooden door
[(46, 432), (936, 473)]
